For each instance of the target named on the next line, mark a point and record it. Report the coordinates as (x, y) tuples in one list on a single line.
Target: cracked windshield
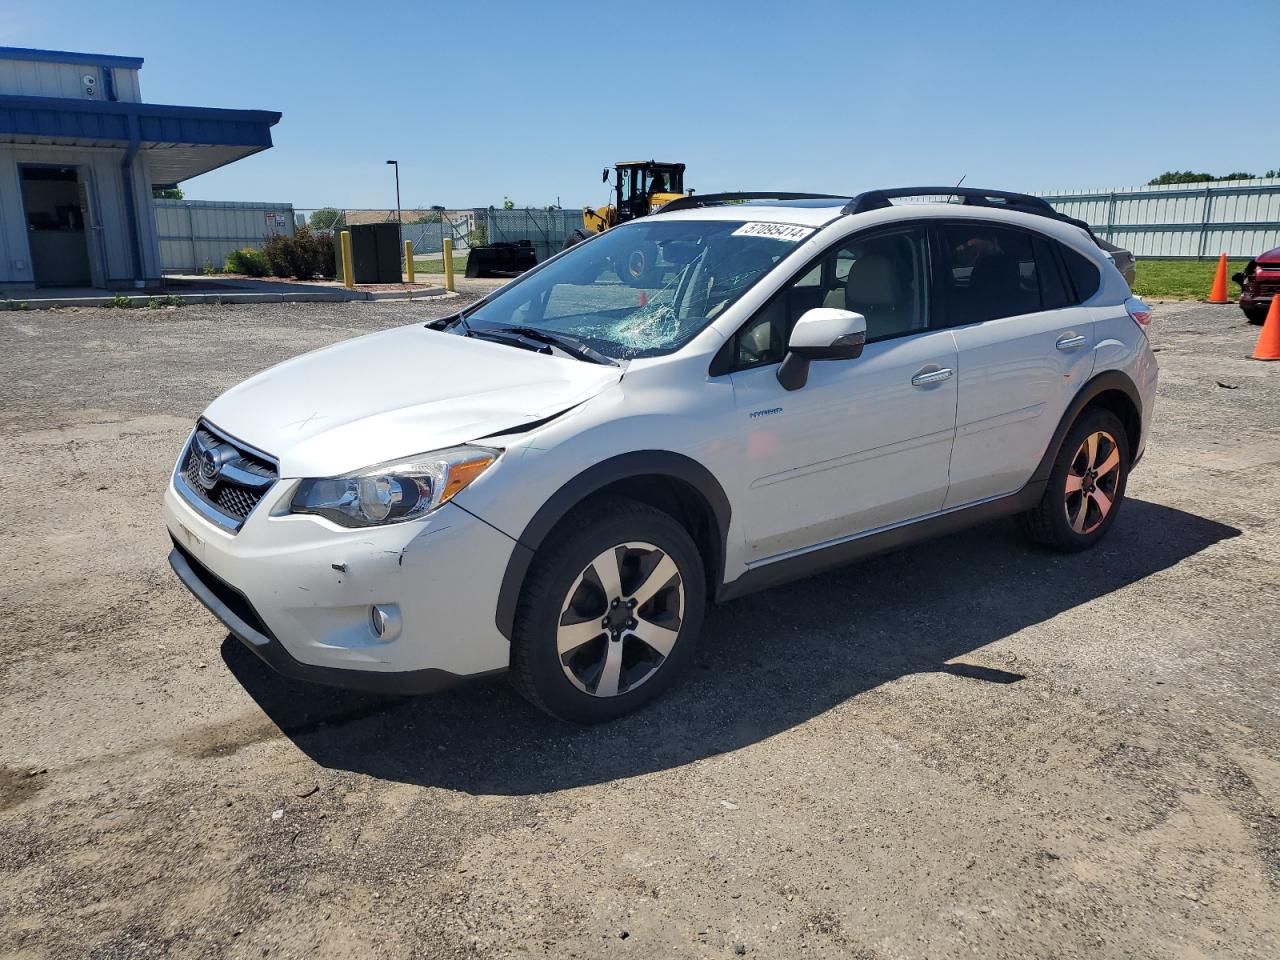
[(643, 289)]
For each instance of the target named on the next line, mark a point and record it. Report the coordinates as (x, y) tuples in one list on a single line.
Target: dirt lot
[(969, 747)]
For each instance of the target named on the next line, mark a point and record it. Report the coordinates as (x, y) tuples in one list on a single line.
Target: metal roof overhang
[(181, 142)]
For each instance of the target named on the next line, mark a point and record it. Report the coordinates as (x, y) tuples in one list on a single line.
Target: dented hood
[(395, 394)]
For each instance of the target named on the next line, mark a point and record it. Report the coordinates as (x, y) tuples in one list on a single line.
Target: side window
[(1054, 292), (989, 272), (1084, 275), (882, 277)]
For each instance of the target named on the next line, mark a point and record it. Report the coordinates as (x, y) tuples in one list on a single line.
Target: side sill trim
[(806, 564)]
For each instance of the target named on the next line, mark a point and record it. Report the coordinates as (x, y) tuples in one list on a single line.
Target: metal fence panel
[(1238, 217), (428, 238), (196, 233), (547, 230)]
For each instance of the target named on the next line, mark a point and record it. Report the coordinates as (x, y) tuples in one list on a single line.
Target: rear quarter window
[(1085, 276)]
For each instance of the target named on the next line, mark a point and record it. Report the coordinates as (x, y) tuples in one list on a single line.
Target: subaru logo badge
[(211, 462)]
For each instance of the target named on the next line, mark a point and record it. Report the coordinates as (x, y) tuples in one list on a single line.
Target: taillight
[(1139, 312)]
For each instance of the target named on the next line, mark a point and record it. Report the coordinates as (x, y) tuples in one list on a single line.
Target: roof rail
[(712, 199), (972, 196), (880, 199)]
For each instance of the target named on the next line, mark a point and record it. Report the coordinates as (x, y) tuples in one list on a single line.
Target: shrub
[(301, 256), (248, 261), (478, 237), (326, 255)]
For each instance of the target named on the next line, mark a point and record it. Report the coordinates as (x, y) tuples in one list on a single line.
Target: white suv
[(738, 391)]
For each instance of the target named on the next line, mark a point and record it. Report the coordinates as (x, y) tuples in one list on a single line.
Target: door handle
[(1070, 342), (926, 377)]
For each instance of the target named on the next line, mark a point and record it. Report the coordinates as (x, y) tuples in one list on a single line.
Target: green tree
[(167, 193), (508, 203), (1190, 176), (325, 218), (1179, 176), (432, 217)]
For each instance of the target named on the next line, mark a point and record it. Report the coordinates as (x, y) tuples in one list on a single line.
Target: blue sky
[(486, 99)]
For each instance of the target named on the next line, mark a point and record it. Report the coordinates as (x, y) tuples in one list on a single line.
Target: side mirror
[(1238, 278), (822, 333), (604, 178)]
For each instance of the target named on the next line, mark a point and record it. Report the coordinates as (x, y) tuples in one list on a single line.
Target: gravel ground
[(967, 747)]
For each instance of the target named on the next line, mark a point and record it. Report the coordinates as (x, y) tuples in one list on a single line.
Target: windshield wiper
[(447, 323), (570, 345)]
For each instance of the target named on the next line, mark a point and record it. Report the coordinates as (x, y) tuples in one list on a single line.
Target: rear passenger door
[(1024, 347)]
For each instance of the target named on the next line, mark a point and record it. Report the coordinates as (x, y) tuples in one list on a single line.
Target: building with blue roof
[(80, 153)]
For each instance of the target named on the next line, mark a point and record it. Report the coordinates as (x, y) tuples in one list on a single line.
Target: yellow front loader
[(640, 187)]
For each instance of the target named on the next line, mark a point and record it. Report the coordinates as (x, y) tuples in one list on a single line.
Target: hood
[(395, 394)]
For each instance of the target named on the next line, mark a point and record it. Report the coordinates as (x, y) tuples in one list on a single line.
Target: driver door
[(865, 443)]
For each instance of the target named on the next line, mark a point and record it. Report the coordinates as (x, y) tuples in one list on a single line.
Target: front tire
[(1255, 315), (639, 267), (1086, 485), (610, 612)]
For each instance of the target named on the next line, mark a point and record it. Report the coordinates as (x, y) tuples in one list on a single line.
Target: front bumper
[(298, 591)]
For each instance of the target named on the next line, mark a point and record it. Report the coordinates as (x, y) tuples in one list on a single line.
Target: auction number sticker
[(776, 231)]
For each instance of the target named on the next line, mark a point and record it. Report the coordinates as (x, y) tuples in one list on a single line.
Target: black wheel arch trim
[(640, 463), (1102, 383)]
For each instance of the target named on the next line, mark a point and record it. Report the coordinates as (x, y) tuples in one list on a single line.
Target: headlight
[(391, 492)]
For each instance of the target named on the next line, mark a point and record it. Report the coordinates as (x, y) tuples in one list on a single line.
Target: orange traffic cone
[(1219, 292), (643, 300), (1268, 347)]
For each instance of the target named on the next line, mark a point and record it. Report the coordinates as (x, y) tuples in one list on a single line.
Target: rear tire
[(1086, 485), (609, 613)]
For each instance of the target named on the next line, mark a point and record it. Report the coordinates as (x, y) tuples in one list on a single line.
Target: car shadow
[(766, 663)]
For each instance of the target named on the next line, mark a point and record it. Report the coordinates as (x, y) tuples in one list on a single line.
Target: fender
[(639, 463), (1107, 380)]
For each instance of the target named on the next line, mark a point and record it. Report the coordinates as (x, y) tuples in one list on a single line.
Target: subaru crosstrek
[(555, 481)]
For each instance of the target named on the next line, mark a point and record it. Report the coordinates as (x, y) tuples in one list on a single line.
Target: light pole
[(399, 220), (396, 164)]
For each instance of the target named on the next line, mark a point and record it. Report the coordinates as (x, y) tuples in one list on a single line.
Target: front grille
[(1268, 282), (222, 477)]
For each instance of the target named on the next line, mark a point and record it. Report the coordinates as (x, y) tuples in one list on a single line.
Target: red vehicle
[(1259, 282)]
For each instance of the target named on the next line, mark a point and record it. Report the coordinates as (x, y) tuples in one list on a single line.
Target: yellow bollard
[(448, 264), (408, 260), (348, 272)]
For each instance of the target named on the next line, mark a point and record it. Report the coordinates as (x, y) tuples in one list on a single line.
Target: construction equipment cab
[(641, 187)]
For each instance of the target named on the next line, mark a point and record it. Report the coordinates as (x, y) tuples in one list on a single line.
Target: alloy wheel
[(1093, 478), (620, 619)]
